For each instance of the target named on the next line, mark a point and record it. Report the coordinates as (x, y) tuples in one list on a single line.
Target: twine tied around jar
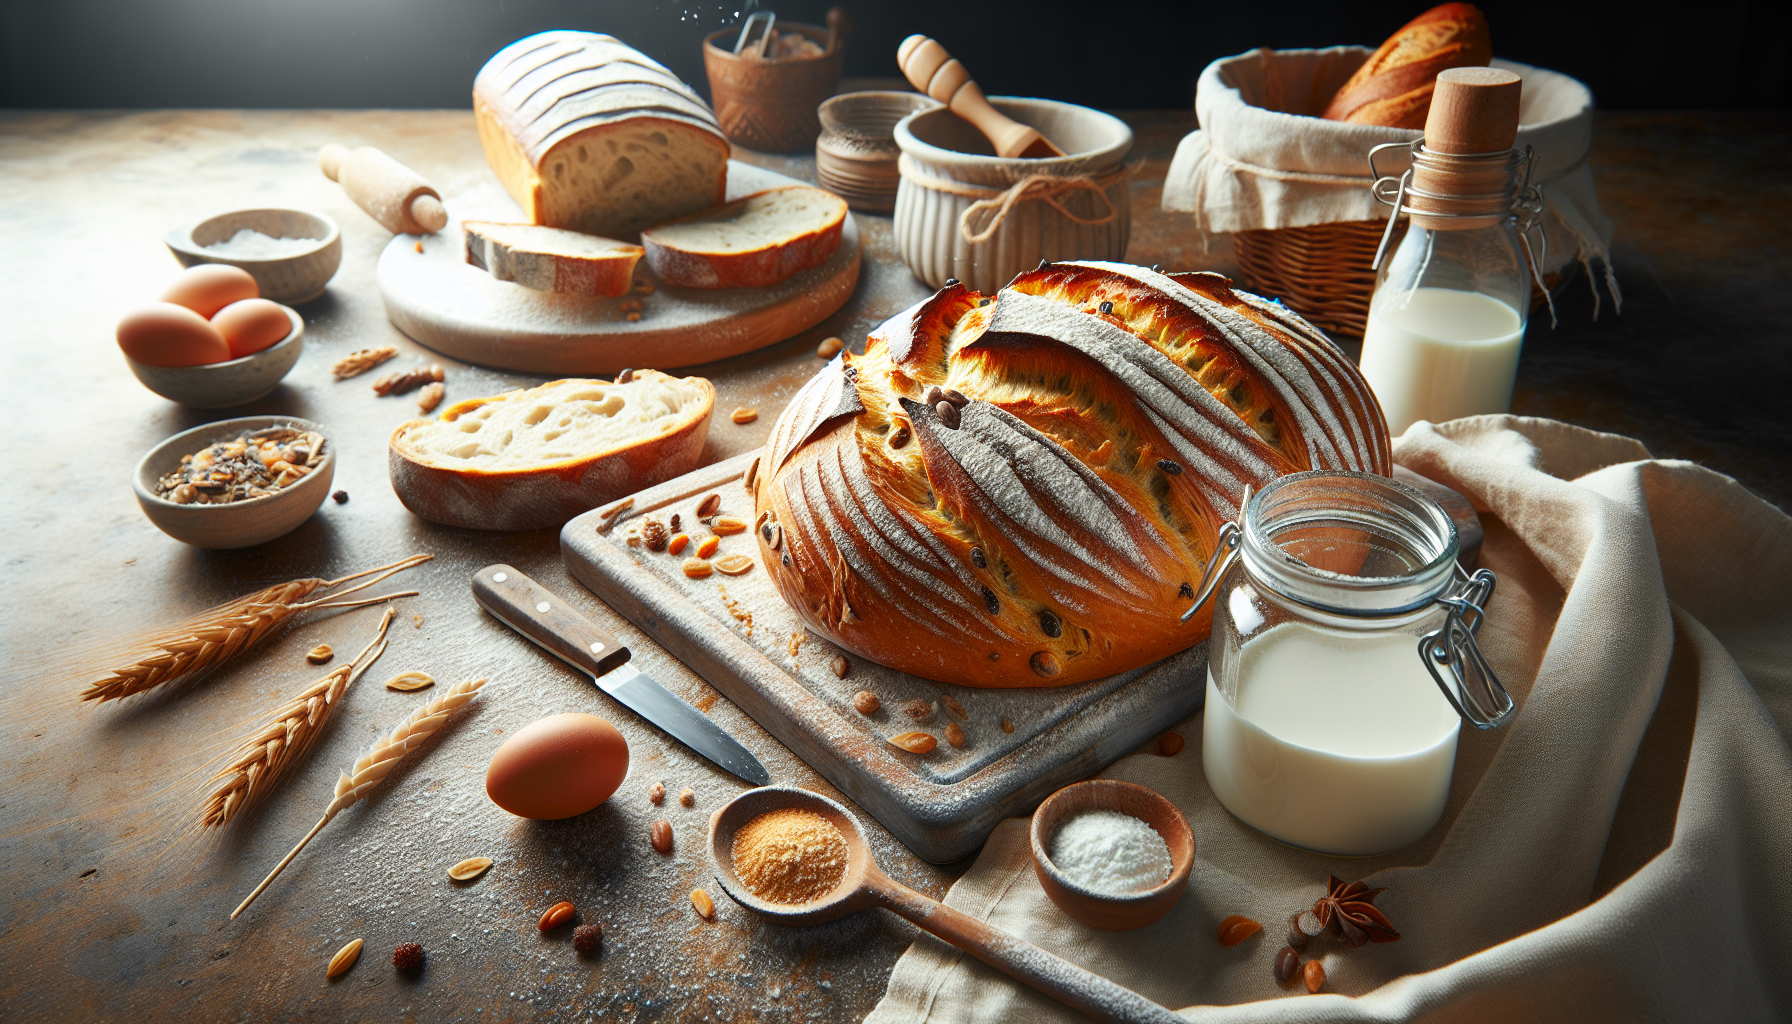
[(980, 220)]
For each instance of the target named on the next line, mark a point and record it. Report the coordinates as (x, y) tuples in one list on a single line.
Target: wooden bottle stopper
[(937, 73), (390, 192), (1473, 110)]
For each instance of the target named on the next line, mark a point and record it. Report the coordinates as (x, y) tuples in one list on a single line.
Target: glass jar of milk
[(1342, 663), (1448, 315)]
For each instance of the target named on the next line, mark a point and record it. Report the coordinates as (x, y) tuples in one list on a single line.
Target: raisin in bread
[(590, 134), (1023, 489)]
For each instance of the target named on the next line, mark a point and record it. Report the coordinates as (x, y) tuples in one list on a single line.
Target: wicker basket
[(1320, 271)]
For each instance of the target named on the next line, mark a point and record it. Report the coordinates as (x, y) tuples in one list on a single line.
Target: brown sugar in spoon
[(865, 886), (937, 73)]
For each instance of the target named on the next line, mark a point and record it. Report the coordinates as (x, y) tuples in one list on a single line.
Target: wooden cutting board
[(438, 300), (737, 633)]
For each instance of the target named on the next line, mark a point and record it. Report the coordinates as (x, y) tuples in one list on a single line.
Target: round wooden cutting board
[(440, 301)]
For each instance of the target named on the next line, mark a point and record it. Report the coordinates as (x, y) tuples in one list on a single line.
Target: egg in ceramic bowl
[(557, 767)]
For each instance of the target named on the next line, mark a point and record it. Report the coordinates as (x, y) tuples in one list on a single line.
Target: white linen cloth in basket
[(1251, 166)]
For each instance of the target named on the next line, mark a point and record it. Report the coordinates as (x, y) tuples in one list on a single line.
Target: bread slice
[(552, 259), (534, 458), (754, 241), (590, 134)]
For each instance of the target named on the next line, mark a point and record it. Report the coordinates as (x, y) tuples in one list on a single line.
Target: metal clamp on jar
[(1343, 658)]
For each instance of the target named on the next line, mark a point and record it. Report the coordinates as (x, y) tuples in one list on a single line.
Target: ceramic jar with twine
[(966, 214)]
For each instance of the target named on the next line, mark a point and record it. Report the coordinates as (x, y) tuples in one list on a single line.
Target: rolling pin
[(938, 74), (390, 192)]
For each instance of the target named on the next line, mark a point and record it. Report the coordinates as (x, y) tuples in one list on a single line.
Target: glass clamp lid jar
[(1343, 660)]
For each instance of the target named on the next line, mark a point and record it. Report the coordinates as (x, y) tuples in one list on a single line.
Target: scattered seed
[(954, 735), (1313, 973), (644, 287), (362, 360), (556, 915), (410, 682), (1106, 307), (469, 869), (696, 568), (661, 836), (1236, 929), (686, 797), (656, 793), (1297, 939), (632, 317), (587, 937), (430, 396), (865, 702), (319, 654), (630, 305), (406, 381), (705, 907), (919, 710), (417, 622), (408, 956), (725, 525), (419, 247), (948, 414), (915, 742), (990, 602), (653, 532), (341, 497), (733, 565), (752, 474), (955, 397), (344, 959), (1008, 725), (1169, 744), (625, 376), (953, 705), (829, 348), (899, 439), (709, 506), (708, 545), (1044, 664), (1287, 965), (677, 543), (744, 415), (1050, 624), (1170, 466), (1186, 592), (978, 559)]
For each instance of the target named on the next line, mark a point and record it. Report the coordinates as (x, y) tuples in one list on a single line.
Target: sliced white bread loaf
[(534, 458), (590, 134), (552, 259), (756, 240)]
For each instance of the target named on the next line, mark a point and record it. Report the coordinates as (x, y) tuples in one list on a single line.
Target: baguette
[(1393, 87), (754, 241), (534, 458), (552, 259)]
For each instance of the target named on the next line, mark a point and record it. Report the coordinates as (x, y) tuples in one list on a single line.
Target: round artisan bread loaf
[(536, 457), (1024, 490)]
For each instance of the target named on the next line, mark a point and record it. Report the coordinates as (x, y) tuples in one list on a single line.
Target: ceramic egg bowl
[(232, 382), (294, 278), (1097, 909), (239, 524)]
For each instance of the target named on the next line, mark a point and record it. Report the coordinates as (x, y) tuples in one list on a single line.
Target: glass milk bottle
[(1447, 319), (1342, 663)]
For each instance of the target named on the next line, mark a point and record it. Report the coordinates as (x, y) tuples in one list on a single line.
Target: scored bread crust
[(1394, 86), (1056, 532), (547, 494), (747, 268)]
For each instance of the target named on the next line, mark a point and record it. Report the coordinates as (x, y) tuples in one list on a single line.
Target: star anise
[(1351, 910)]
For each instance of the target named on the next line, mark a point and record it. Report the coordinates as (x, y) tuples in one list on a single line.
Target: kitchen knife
[(532, 610)]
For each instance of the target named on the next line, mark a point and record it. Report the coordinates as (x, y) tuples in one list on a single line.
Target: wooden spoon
[(865, 885), (938, 74)]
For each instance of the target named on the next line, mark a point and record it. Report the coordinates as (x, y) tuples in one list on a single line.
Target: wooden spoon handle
[(1021, 960), (938, 74)]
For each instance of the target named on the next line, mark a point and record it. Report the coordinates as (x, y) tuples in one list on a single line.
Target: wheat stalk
[(262, 757), (205, 641), (373, 767)]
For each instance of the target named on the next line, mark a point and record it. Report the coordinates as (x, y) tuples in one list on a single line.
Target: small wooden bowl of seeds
[(236, 483)]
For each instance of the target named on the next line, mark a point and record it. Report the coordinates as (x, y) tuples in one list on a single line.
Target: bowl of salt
[(291, 254), (1113, 855)]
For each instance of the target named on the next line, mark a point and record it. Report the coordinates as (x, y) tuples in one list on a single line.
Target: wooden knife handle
[(387, 190), (532, 610), (937, 73)]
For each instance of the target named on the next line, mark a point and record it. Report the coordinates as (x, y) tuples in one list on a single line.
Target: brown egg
[(557, 767), (252, 325), (164, 334), (209, 287)]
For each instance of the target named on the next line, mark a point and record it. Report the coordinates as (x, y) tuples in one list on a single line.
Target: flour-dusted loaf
[(590, 134), (552, 259), (1393, 87), (754, 241), (534, 458), (1024, 489)]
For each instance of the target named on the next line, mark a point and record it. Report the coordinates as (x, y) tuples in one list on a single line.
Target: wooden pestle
[(938, 74), (390, 192)]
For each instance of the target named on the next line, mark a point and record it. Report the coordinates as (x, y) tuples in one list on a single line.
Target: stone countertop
[(116, 907)]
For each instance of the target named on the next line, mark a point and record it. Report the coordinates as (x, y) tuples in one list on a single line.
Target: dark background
[(1118, 54)]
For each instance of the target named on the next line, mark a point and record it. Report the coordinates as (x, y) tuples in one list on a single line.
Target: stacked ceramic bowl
[(855, 157)]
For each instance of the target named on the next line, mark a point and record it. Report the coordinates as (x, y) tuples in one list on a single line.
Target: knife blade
[(534, 611)]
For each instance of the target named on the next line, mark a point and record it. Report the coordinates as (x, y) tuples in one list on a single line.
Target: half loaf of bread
[(1393, 87), (754, 241), (552, 259), (591, 134), (534, 458), (1024, 489)]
